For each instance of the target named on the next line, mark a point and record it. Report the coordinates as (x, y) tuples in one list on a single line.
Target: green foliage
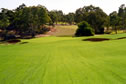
[(122, 17), (94, 16), (121, 11), (84, 29), (4, 19), (56, 16), (4, 23), (118, 19), (79, 15), (53, 17), (70, 18), (24, 20), (59, 15), (29, 19), (114, 20)]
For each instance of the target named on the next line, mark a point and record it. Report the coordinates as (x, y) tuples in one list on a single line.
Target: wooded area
[(30, 21)]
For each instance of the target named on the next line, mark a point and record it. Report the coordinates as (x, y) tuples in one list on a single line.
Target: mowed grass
[(64, 60)]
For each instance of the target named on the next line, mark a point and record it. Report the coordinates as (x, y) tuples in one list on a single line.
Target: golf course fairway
[(64, 60)]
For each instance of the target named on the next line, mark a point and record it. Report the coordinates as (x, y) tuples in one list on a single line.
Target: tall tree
[(93, 15), (53, 16), (114, 20), (79, 15), (70, 18), (4, 23), (122, 15), (29, 19)]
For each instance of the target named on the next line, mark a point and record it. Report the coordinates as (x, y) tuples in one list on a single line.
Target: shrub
[(44, 29), (84, 29)]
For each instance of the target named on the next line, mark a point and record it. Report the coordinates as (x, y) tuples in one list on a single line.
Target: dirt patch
[(41, 35), (96, 39), (14, 41), (121, 38), (26, 37)]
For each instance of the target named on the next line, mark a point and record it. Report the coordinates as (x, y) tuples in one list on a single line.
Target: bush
[(44, 29), (99, 30), (84, 29)]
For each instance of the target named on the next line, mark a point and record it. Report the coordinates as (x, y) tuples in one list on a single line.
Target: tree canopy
[(84, 29), (30, 20), (93, 15)]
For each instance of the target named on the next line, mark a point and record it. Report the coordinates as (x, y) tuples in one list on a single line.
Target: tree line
[(94, 16), (29, 21), (23, 21)]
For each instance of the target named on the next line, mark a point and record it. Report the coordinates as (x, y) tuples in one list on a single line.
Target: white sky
[(66, 6)]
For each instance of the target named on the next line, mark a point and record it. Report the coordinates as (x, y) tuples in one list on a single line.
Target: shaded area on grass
[(96, 39), (14, 41), (23, 42), (121, 38), (102, 39)]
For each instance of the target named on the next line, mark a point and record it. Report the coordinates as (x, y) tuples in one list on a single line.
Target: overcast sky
[(65, 5)]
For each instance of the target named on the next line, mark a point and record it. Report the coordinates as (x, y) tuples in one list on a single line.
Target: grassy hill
[(66, 30), (64, 60)]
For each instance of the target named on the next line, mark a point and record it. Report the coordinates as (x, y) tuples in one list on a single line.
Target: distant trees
[(60, 16), (56, 16), (98, 19), (53, 16), (114, 20), (122, 16), (23, 20), (84, 29), (94, 16), (4, 19), (79, 15), (70, 18), (29, 21), (118, 19), (4, 23)]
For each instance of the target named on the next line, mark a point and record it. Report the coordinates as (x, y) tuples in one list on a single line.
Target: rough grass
[(64, 60), (68, 30)]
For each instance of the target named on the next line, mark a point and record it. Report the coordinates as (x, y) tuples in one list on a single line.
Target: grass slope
[(64, 60), (68, 30)]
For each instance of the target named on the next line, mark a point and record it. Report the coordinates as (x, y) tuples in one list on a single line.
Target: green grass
[(64, 60)]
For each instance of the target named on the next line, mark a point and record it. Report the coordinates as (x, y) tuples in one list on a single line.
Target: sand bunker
[(14, 41), (96, 39)]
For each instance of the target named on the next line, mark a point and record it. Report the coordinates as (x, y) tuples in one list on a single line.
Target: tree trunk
[(116, 30)]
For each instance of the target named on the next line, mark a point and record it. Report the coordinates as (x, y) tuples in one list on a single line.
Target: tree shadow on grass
[(101, 39), (96, 39), (14, 41)]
